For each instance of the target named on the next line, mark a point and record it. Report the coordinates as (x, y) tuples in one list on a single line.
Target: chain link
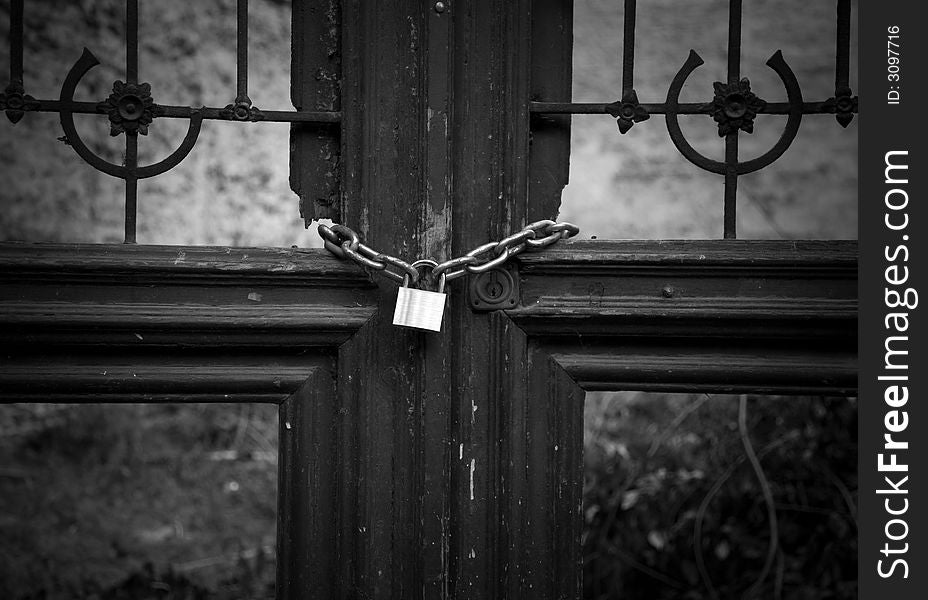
[(345, 243)]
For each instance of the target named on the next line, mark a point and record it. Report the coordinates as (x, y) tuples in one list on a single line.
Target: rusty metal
[(734, 104), (131, 108)]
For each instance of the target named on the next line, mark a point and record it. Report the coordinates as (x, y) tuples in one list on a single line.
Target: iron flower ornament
[(843, 105), (735, 106), (14, 101), (241, 110), (628, 111), (130, 108)]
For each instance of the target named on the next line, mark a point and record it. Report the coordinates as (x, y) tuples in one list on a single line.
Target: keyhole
[(492, 290), (494, 287)]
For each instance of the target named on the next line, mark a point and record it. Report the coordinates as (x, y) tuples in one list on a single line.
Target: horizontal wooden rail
[(123, 323), (719, 315)]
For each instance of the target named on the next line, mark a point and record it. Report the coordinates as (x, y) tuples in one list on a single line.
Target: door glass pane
[(639, 186), (232, 189), (690, 494), (131, 499)]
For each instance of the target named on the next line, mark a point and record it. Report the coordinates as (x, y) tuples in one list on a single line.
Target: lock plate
[(496, 289), (420, 309)]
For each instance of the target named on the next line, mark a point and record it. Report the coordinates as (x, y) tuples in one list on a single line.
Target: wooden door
[(413, 464)]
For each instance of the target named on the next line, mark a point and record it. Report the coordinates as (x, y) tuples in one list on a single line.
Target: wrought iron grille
[(131, 108), (734, 105)]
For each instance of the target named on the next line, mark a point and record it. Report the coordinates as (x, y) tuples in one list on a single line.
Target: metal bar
[(843, 47), (242, 50), (628, 48), (731, 186), (132, 185), (734, 41), (132, 41), (730, 204), (16, 42), (208, 113), (689, 108), (132, 139)]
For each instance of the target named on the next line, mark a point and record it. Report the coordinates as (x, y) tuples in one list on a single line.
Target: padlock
[(420, 309)]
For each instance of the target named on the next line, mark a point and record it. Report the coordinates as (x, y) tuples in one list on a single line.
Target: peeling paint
[(286, 267), (181, 257), (461, 452)]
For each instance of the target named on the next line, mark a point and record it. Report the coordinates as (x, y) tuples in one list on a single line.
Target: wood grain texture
[(315, 81), (389, 388), (456, 454), (175, 375), (145, 323), (308, 520), (721, 315), (515, 526)]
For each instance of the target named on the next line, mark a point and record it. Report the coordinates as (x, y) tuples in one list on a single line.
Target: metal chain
[(344, 242)]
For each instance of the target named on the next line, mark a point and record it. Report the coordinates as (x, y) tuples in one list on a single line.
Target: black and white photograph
[(460, 299)]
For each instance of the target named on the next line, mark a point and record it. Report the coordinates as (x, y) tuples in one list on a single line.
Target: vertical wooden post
[(457, 455)]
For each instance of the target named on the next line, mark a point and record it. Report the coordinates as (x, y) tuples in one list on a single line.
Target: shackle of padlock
[(426, 262)]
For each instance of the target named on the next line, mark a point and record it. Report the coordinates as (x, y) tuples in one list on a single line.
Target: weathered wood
[(717, 288), (144, 323), (734, 365), (412, 464), (458, 454), (515, 525), (389, 388), (721, 315), (315, 77), (101, 263), (151, 375), (308, 520), (551, 46)]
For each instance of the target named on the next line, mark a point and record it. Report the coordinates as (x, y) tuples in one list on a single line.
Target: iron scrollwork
[(131, 109), (734, 105)]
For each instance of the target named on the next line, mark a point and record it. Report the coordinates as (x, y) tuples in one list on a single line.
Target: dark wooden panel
[(309, 523), (551, 79), (718, 288), (803, 366), (315, 81), (173, 264), (442, 487), (145, 323), (390, 525), (127, 375), (141, 296), (720, 315), (515, 525)]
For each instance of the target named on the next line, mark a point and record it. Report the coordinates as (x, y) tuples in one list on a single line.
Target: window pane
[(104, 497), (639, 186), (684, 494), (232, 189)]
